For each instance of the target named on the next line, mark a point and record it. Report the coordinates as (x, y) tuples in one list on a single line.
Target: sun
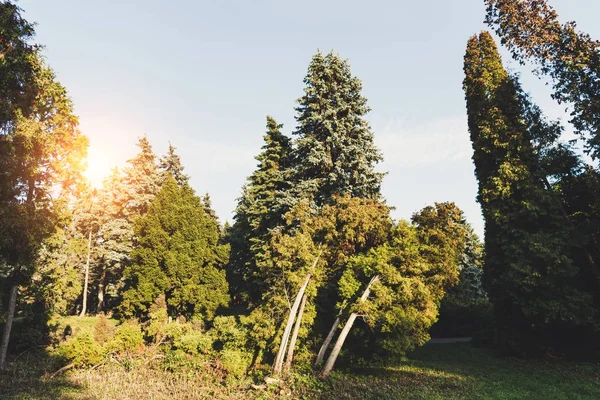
[(98, 168)]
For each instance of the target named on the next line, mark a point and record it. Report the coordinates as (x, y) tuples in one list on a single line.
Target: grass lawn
[(461, 371), (437, 371)]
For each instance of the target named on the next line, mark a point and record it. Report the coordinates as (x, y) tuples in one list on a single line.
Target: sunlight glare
[(98, 168)]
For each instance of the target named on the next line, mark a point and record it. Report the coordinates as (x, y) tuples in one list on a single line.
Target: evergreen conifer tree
[(334, 149), (177, 255), (258, 213), (531, 280), (170, 165), (142, 180)]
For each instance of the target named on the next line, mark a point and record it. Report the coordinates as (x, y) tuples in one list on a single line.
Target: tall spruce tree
[(258, 213), (334, 151), (529, 275)]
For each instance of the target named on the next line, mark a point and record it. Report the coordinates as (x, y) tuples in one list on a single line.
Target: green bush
[(235, 362), (195, 343), (128, 339), (230, 334), (82, 350)]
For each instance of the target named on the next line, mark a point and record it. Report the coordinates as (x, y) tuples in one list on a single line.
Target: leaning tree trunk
[(288, 328), (328, 339), (342, 338), (290, 353), (12, 303), (87, 275), (101, 287)]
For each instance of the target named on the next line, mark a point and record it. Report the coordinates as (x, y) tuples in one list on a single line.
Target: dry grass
[(447, 371)]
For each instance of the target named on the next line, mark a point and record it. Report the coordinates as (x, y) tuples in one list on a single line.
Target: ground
[(436, 371)]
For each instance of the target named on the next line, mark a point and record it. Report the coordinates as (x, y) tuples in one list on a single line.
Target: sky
[(203, 75)]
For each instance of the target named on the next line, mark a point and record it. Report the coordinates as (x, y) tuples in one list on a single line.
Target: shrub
[(195, 343), (82, 350), (128, 339), (158, 319), (230, 333), (235, 362), (103, 330)]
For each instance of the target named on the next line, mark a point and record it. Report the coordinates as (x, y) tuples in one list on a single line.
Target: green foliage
[(529, 274), (128, 339), (465, 308), (229, 333), (413, 270), (334, 152), (178, 255), (571, 59), (258, 212), (17, 71), (58, 277), (195, 343), (235, 362), (43, 150), (171, 166), (82, 350)]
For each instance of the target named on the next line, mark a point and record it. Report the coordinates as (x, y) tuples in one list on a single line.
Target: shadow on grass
[(461, 371), (29, 376)]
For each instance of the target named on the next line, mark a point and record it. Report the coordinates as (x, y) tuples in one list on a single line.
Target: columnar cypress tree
[(528, 274), (259, 212), (178, 255), (335, 153)]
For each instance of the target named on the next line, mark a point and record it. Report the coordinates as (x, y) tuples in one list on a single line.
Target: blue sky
[(203, 75)]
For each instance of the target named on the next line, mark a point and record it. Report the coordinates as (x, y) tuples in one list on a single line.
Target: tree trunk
[(328, 340), (288, 327), (12, 303), (290, 353), (342, 338), (101, 287), (87, 275)]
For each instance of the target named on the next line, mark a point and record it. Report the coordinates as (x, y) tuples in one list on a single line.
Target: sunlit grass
[(442, 371)]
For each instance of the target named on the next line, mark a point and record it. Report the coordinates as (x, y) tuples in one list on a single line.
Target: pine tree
[(87, 223), (115, 242), (178, 255), (531, 280), (334, 151), (258, 212), (170, 165), (141, 180), (58, 279)]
